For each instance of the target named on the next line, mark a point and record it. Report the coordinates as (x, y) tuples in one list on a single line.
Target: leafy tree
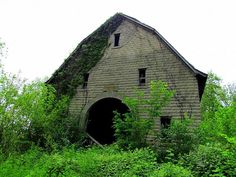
[(29, 113), (230, 91), (218, 110), (32, 114), (213, 98), (226, 121)]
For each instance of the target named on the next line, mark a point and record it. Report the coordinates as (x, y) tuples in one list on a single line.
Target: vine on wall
[(70, 75)]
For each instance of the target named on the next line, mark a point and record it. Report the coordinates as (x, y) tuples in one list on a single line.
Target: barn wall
[(117, 73)]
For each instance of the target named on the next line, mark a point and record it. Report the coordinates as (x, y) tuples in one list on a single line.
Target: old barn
[(121, 55)]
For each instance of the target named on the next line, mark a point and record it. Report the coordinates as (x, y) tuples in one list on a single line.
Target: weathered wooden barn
[(121, 55)]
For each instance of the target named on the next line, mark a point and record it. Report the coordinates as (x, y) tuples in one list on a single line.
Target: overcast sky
[(40, 34)]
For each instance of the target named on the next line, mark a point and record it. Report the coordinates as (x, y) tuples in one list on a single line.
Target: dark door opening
[(100, 119)]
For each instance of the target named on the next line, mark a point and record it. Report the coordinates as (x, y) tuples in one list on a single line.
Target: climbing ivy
[(70, 75)]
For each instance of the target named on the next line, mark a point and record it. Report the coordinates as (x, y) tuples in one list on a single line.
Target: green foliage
[(218, 110), (160, 96), (12, 123), (32, 114), (178, 139), (171, 170), (131, 129), (218, 127), (226, 120), (20, 165), (211, 160), (223, 122), (213, 98), (132, 163), (230, 91), (37, 163), (93, 162)]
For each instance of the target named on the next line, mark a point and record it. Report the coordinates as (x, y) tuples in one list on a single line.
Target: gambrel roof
[(201, 77), (70, 69)]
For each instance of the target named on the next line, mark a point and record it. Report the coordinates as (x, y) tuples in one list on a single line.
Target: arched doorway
[(100, 119)]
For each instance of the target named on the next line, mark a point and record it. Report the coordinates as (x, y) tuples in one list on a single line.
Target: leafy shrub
[(211, 160), (179, 138), (171, 170), (133, 163), (131, 129), (131, 132)]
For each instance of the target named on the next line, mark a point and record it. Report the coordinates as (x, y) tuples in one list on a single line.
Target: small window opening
[(117, 39), (86, 76), (142, 76), (165, 121)]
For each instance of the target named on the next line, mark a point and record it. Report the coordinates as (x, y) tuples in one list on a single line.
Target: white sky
[(40, 34)]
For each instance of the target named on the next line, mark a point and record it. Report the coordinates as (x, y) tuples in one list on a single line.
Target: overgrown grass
[(94, 161), (206, 160)]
